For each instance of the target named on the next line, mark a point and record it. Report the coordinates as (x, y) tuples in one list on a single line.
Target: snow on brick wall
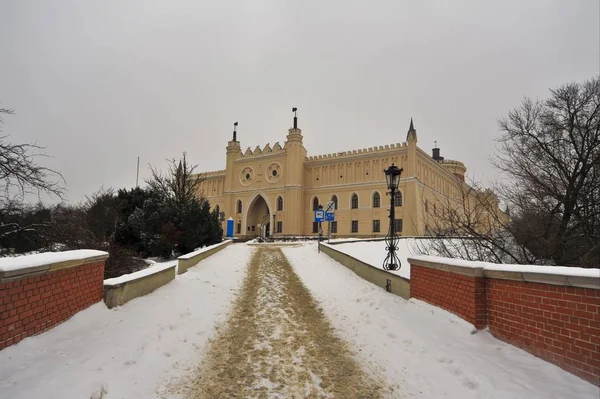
[(459, 294), (556, 323), (33, 304)]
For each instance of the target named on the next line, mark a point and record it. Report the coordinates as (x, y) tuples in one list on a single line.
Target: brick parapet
[(38, 301), (554, 317)]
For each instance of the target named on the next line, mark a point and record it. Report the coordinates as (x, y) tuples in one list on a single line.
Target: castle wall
[(288, 172)]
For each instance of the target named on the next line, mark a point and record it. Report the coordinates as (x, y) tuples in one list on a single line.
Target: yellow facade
[(273, 190)]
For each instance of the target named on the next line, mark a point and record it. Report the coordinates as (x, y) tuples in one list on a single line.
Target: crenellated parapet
[(267, 149), (212, 175), (369, 150)]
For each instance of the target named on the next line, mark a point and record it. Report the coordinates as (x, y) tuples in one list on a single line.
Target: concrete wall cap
[(554, 275), (18, 266), (438, 264), (201, 250)]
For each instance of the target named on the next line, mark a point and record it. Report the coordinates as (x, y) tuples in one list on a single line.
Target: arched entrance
[(258, 218)]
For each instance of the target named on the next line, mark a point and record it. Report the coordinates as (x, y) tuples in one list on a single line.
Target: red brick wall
[(459, 294), (556, 323), (37, 303)]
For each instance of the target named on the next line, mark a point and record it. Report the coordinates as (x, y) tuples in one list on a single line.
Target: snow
[(46, 258), (155, 267), (131, 351), (373, 253), (557, 270), (201, 250), (425, 351), (143, 348)]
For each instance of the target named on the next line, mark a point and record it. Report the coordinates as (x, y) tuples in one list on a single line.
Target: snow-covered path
[(421, 350), (278, 344), (131, 351)]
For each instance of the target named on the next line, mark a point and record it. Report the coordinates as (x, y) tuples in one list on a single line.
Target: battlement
[(216, 173), (381, 148), (265, 150)]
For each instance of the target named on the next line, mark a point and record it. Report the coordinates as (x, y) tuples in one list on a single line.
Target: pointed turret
[(412, 133)]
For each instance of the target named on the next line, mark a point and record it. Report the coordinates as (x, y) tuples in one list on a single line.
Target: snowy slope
[(425, 351), (131, 350), (373, 253)]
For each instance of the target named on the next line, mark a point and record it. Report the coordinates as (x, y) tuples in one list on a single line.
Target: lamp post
[(392, 177)]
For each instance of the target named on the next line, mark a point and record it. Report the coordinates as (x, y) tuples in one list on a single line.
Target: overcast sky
[(100, 83)]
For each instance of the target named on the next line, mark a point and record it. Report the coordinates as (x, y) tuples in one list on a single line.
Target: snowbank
[(373, 253)]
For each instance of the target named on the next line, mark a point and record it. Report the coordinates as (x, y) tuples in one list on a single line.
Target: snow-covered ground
[(143, 348), (373, 252), (130, 351), (423, 350)]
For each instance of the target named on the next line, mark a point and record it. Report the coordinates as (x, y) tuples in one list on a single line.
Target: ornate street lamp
[(391, 262)]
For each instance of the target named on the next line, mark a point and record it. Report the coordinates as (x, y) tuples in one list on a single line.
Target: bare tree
[(21, 176), (549, 153), (180, 183), (472, 227)]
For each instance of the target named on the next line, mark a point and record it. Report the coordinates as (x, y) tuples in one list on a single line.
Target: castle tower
[(234, 151), (414, 225), (294, 178)]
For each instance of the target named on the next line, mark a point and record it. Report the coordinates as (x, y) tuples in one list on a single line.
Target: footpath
[(277, 343)]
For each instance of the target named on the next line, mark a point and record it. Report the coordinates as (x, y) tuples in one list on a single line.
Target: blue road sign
[(329, 216), (319, 215)]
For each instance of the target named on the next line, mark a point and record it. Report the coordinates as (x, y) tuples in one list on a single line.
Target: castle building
[(274, 190)]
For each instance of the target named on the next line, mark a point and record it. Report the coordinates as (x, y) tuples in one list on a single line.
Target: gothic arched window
[(354, 201), (315, 203), (335, 202), (376, 200)]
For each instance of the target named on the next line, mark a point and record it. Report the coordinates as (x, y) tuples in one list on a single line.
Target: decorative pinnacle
[(295, 111)]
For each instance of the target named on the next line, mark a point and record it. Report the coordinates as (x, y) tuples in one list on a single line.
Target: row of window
[(354, 226), (353, 202), (333, 227), (239, 228)]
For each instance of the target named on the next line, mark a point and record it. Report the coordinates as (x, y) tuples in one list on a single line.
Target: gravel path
[(278, 344)]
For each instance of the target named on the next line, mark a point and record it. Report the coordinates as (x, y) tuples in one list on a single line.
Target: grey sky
[(102, 82)]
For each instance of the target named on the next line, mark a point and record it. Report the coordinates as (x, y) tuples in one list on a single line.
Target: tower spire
[(235, 131), (412, 133)]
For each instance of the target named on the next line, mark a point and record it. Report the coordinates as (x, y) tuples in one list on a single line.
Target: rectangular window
[(279, 227), (355, 226), (239, 228), (253, 227), (398, 225), (376, 226), (315, 227), (334, 227)]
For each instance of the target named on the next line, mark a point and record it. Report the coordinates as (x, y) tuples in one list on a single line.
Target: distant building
[(274, 190)]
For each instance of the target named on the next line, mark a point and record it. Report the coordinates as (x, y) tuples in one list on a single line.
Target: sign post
[(329, 216), (319, 217)]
